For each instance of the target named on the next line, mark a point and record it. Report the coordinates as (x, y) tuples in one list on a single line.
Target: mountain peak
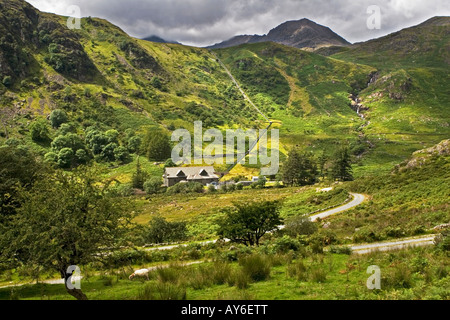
[(302, 33)]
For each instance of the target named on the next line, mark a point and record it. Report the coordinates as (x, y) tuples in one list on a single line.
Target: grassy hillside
[(407, 101), (105, 79), (410, 201)]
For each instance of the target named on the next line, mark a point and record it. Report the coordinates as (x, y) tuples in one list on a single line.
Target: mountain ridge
[(302, 33)]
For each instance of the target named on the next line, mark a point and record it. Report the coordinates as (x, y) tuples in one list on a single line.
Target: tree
[(134, 144), (162, 231), (66, 158), (70, 140), (342, 167), (19, 167), (122, 155), (96, 141), (299, 169), (58, 117), (323, 172), (300, 225), (63, 221), (153, 185), (39, 131), (157, 146), (139, 176), (247, 222), (169, 163), (107, 153)]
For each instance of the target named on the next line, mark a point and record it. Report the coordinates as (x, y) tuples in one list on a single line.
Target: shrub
[(300, 225), (58, 117), (65, 158), (162, 291), (39, 131), (220, 272), (153, 185), (51, 157), (184, 188), (257, 267), (125, 190), (7, 81), (297, 270), (341, 250), (285, 244), (397, 277), (122, 155), (240, 279), (134, 144), (162, 231), (168, 275), (318, 275)]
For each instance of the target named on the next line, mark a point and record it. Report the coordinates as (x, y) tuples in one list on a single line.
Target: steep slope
[(304, 93), (406, 103), (105, 79), (302, 33), (408, 201)]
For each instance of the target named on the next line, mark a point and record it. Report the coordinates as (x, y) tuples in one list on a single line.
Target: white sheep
[(140, 273)]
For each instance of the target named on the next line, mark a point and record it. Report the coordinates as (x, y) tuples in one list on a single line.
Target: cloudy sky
[(205, 22)]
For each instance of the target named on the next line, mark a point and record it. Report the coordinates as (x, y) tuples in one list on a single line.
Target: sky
[(206, 22)]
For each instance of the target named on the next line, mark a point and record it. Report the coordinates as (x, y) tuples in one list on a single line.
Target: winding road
[(398, 244), (357, 200)]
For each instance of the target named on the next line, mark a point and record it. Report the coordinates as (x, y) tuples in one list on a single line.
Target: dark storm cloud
[(204, 22)]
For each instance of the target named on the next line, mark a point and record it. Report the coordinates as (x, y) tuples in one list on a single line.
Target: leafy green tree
[(300, 225), (169, 163), (51, 158), (81, 157), (157, 146), (96, 141), (58, 117), (66, 158), (139, 176), (122, 155), (323, 172), (134, 144), (299, 169), (63, 220), (153, 185), (107, 153), (342, 166), (70, 140), (247, 223), (162, 231), (39, 131), (19, 167), (67, 128), (113, 136)]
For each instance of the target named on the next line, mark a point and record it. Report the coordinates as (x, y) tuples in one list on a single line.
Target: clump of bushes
[(257, 267), (185, 188)]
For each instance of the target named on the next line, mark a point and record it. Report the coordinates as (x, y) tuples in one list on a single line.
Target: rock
[(442, 227)]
